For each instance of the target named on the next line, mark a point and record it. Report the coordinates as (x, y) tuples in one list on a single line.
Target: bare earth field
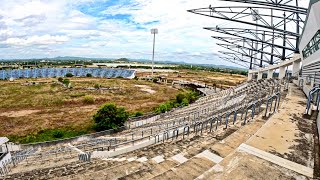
[(210, 78), (28, 109)]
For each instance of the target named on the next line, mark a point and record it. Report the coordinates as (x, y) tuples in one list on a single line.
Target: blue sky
[(107, 28)]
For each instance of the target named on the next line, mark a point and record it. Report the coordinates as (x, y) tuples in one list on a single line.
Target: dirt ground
[(29, 109), (211, 78)]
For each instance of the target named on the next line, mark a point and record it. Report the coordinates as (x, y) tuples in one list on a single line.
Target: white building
[(310, 44)]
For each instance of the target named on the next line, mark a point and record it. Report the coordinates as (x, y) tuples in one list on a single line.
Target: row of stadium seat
[(61, 72)]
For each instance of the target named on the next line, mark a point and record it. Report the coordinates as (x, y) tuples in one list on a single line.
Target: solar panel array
[(61, 72)]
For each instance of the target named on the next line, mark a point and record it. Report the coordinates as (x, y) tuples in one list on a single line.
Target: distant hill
[(72, 58)]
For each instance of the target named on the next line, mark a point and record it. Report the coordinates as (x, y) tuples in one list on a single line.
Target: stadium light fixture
[(154, 31)]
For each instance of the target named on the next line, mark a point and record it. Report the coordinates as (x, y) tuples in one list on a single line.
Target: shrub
[(57, 134), (162, 108), (185, 102), (180, 97), (138, 113), (109, 116), (88, 99), (66, 82), (97, 86), (60, 79), (69, 75), (119, 77), (77, 95), (89, 75)]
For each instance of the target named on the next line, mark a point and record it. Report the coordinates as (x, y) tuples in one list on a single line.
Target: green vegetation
[(138, 113), (77, 95), (97, 86), (60, 79), (47, 135), (89, 75), (109, 116), (66, 82), (69, 75), (88, 99), (182, 99)]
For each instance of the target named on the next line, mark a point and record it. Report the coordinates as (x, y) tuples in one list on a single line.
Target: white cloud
[(41, 28), (36, 40)]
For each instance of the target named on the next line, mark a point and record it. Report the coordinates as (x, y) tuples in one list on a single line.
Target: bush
[(109, 116), (138, 113), (57, 134), (119, 77), (77, 95), (69, 75), (97, 86), (180, 97), (185, 102), (162, 108), (66, 82), (60, 79), (88, 99), (89, 75)]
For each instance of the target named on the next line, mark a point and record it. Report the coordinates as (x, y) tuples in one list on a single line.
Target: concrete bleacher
[(163, 150)]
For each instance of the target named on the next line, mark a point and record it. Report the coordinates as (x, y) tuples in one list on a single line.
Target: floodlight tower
[(154, 31)]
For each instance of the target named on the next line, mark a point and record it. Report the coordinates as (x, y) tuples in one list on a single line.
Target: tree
[(69, 75), (60, 79), (109, 116), (66, 82), (89, 75), (180, 97)]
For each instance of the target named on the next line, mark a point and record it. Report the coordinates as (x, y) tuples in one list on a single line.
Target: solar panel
[(61, 72)]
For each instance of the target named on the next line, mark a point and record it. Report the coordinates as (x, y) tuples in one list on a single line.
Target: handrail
[(310, 98)]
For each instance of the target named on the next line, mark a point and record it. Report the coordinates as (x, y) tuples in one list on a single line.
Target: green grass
[(47, 135)]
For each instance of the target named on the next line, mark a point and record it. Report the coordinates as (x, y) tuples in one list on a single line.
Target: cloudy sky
[(107, 28)]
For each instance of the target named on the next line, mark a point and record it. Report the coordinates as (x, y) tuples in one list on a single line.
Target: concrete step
[(151, 170), (108, 172), (187, 170)]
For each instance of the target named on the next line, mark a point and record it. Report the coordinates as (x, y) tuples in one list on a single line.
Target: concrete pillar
[(270, 73), (282, 72), (250, 75), (260, 73), (296, 68)]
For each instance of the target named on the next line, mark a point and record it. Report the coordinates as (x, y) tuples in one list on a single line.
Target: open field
[(210, 78), (33, 108), (29, 109)]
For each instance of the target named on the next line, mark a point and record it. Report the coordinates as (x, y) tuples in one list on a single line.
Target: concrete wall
[(311, 27), (318, 124)]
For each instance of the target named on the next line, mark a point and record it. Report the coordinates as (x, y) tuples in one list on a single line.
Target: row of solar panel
[(61, 72)]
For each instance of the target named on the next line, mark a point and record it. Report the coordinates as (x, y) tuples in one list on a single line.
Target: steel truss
[(271, 42)]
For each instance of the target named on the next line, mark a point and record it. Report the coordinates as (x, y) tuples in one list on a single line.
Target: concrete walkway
[(281, 149)]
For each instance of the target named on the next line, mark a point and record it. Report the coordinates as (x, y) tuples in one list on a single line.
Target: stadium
[(263, 126)]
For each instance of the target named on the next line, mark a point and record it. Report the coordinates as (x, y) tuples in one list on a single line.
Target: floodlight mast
[(154, 31)]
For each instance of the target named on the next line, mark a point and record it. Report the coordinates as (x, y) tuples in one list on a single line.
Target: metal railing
[(313, 97)]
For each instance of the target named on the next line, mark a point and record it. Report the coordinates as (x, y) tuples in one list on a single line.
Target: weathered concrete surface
[(286, 139), (306, 171), (288, 134), (242, 165)]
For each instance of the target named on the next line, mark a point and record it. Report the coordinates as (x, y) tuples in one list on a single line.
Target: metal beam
[(251, 39), (240, 12), (272, 4)]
